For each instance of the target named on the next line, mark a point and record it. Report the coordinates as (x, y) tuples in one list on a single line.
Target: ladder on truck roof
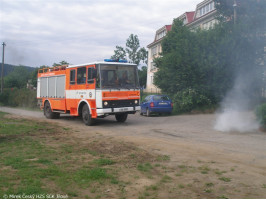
[(51, 69)]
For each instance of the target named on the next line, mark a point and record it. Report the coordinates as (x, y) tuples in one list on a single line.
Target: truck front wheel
[(86, 116), (121, 117)]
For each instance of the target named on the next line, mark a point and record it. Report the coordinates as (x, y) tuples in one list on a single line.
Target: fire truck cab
[(92, 90)]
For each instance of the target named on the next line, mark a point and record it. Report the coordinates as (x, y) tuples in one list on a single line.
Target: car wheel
[(86, 116), (121, 117), (148, 113), (47, 111)]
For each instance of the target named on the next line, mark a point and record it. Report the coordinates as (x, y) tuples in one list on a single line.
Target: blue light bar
[(115, 60), (122, 61)]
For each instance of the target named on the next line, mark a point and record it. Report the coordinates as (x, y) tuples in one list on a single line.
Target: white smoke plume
[(236, 113)]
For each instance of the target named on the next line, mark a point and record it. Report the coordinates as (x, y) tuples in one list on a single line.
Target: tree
[(120, 53), (142, 76), (199, 68), (250, 12), (63, 62), (132, 52), (17, 78)]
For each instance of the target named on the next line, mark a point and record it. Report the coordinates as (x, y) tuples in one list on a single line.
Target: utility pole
[(234, 6), (2, 71)]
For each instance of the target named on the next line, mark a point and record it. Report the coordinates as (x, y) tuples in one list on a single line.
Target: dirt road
[(187, 138)]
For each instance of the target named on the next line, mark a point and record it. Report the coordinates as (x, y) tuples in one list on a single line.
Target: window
[(81, 75), (161, 35), (147, 99), (154, 51), (207, 8), (119, 76), (211, 6), (90, 75), (159, 48), (161, 98), (72, 76)]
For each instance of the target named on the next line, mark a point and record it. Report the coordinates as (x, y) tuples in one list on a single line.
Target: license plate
[(123, 109), (163, 103)]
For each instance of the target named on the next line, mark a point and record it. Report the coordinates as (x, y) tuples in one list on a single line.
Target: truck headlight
[(136, 101), (105, 103)]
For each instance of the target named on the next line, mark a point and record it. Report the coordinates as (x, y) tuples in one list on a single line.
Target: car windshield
[(119, 76), (161, 98)]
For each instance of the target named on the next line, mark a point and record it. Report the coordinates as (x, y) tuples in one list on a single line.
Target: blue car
[(156, 104)]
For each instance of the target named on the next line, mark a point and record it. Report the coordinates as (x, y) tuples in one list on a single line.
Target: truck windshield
[(119, 76)]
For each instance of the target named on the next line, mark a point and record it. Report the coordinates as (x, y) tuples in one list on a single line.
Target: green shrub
[(189, 99), (261, 114), (19, 97), (4, 97)]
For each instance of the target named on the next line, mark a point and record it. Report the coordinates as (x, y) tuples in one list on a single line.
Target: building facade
[(154, 50), (202, 18)]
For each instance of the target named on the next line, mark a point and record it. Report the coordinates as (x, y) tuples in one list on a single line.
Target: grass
[(209, 184), (29, 163), (225, 179), (163, 158), (145, 167), (34, 160), (165, 179), (204, 169), (103, 162), (85, 176), (152, 187), (219, 172), (40, 158), (208, 190)]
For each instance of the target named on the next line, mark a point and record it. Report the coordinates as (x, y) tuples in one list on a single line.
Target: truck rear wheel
[(86, 116), (121, 117), (47, 111)]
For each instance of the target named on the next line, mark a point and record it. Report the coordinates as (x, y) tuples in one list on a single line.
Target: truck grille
[(120, 103)]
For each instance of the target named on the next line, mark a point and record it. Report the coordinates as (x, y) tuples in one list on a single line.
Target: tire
[(47, 111), (148, 113), (121, 117), (86, 116)]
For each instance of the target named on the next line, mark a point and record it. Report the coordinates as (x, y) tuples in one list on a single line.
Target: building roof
[(168, 27), (190, 16), (165, 27)]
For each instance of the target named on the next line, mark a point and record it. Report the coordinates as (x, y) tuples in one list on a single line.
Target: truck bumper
[(103, 111)]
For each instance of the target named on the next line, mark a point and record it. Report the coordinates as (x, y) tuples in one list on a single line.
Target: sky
[(43, 32)]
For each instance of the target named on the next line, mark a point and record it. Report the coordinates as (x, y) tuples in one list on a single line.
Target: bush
[(4, 97), (19, 97), (189, 99), (261, 115)]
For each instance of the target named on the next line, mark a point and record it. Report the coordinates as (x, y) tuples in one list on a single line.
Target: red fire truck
[(92, 90)]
